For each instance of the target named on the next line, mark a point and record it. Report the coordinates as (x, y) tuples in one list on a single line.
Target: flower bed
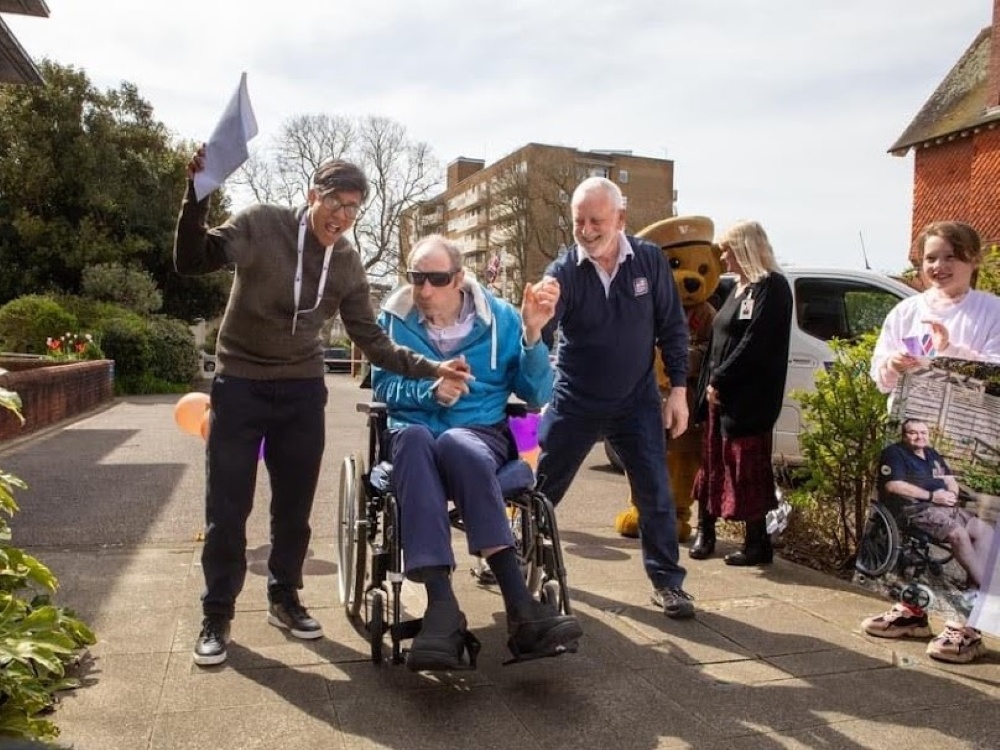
[(53, 391)]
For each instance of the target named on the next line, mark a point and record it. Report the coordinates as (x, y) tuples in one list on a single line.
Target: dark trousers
[(289, 415), (460, 465), (638, 437)]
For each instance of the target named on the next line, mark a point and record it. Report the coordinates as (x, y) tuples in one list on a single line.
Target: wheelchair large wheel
[(352, 537), (527, 543), (878, 549)]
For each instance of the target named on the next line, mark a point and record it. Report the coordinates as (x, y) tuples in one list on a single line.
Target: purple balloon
[(525, 431)]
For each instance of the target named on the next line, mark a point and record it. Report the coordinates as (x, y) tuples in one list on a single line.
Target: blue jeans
[(460, 465), (638, 437), (290, 416)]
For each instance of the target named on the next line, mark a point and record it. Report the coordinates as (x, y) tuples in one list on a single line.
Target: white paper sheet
[(227, 149)]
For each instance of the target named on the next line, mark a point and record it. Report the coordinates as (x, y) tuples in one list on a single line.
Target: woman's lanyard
[(297, 288)]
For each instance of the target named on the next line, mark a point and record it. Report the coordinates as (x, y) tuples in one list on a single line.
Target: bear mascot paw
[(696, 264)]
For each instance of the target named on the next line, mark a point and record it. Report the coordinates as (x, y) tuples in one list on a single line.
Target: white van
[(829, 303)]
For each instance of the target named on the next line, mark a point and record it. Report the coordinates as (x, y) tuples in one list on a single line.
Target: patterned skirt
[(736, 479)]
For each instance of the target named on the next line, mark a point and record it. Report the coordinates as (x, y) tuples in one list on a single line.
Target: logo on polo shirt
[(640, 286)]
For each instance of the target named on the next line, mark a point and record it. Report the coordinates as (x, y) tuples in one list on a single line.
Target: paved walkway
[(773, 660)]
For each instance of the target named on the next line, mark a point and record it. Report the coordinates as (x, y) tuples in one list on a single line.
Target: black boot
[(757, 548), (704, 541)]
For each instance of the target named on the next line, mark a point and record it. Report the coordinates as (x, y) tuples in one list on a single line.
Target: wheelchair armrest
[(371, 408)]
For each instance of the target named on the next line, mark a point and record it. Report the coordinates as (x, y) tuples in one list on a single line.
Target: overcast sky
[(776, 110)]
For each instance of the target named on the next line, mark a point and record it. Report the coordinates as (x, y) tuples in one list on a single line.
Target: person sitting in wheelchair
[(917, 487), (448, 442)]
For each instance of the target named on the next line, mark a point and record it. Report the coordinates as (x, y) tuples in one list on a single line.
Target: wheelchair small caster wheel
[(917, 595)]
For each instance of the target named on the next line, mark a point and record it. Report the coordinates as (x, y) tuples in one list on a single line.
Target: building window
[(599, 172), (623, 176), (563, 196)]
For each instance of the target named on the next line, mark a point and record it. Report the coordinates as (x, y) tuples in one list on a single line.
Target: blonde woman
[(742, 387)]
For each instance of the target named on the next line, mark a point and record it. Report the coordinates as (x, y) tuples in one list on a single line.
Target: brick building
[(512, 217), (15, 65), (956, 142)]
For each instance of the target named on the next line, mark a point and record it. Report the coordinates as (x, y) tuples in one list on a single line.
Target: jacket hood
[(400, 303)]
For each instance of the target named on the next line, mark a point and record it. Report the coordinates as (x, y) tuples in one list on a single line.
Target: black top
[(748, 356)]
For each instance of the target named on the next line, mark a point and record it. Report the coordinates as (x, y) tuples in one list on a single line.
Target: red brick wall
[(959, 180), (53, 393)]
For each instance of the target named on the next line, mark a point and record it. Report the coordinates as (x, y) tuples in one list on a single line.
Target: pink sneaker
[(899, 622), (957, 643)]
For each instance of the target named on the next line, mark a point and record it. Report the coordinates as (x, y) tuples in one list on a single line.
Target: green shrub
[(131, 288), (846, 425), (37, 639), (26, 323), (175, 358), (127, 343), (92, 314)]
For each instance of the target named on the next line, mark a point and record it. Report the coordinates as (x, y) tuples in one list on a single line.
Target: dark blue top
[(604, 362), (899, 463)]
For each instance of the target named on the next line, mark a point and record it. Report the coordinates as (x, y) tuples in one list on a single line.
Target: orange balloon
[(206, 424), (189, 412)]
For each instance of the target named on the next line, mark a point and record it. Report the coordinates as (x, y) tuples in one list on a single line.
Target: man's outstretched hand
[(455, 369)]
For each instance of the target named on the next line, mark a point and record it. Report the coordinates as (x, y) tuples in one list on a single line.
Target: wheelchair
[(369, 544), (889, 545)]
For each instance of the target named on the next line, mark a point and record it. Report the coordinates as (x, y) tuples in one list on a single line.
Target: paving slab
[(774, 659)]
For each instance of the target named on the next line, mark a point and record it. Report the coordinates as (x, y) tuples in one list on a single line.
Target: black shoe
[(704, 543), (537, 629), (757, 549), (210, 648), (290, 615), (442, 641), (750, 556)]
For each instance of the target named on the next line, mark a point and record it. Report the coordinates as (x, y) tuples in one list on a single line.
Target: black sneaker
[(675, 602), (210, 648), (290, 615), (537, 629)]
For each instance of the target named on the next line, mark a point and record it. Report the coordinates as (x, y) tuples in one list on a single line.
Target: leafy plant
[(73, 346), (846, 425), (37, 639), (26, 322)]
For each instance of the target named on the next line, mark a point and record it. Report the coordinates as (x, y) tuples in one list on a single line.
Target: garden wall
[(52, 392)]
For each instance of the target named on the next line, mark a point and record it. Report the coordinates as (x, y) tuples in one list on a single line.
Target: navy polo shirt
[(604, 360), (900, 463)]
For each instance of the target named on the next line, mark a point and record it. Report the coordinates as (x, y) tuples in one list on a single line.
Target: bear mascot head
[(696, 264)]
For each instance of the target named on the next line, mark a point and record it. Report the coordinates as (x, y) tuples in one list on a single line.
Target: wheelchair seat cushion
[(515, 477)]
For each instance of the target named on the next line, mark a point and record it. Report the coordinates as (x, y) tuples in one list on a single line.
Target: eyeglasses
[(333, 205), (435, 278)]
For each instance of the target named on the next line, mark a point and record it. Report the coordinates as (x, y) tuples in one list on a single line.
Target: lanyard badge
[(746, 306), (297, 286)]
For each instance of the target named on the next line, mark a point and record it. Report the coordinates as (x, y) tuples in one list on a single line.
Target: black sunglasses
[(435, 278)]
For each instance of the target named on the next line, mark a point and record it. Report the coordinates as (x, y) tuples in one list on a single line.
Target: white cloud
[(778, 110)]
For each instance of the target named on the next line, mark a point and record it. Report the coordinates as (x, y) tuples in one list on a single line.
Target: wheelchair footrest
[(569, 648)]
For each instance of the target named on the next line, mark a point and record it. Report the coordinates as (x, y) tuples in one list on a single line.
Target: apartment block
[(512, 217)]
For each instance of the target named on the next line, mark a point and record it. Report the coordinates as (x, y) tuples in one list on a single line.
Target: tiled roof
[(15, 64), (958, 104)]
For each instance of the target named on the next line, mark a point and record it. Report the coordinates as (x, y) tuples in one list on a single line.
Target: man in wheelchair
[(447, 441), (917, 487)]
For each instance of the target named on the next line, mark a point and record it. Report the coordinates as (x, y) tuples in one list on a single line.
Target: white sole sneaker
[(305, 635)]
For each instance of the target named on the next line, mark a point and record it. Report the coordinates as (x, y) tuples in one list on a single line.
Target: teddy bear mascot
[(696, 265)]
